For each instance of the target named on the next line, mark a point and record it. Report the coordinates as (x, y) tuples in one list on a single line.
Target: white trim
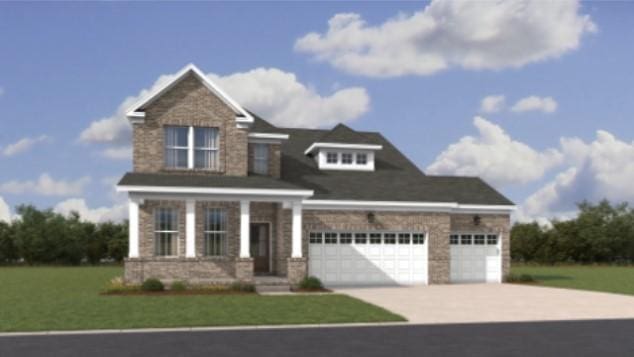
[(268, 136), (133, 228), (342, 146), (245, 229), (190, 229), (190, 148), (297, 230), (242, 116), (216, 191), (404, 206)]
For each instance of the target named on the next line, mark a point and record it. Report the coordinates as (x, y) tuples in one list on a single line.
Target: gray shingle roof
[(395, 177), (204, 181), (343, 134)]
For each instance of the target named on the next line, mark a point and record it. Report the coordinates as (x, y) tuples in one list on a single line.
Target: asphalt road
[(580, 338)]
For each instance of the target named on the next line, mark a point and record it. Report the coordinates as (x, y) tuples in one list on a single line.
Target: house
[(218, 194)]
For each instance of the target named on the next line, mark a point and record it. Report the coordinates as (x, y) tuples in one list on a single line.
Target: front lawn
[(65, 298), (611, 279)]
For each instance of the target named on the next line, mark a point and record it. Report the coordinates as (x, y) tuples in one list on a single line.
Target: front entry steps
[(271, 284)]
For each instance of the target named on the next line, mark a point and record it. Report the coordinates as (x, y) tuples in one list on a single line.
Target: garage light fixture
[(371, 217), (476, 220)]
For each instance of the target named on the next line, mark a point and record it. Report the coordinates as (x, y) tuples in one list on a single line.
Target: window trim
[(262, 160), (223, 233), (174, 234), (336, 157), (192, 148)]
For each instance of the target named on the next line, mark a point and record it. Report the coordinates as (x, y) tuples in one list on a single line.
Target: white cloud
[(494, 156), (22, 145), (45, 185), (492, 104), (601, 169), (118, 152), (279, 97), (5, 211), (473, 35), (271, 92), (118, 212), (535, 103)]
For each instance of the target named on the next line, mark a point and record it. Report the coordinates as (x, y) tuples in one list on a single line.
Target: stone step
[(275, 288)]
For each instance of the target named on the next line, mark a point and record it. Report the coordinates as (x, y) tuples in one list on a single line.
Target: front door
[(260, 247)]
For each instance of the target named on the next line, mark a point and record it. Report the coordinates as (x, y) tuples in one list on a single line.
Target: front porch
[(215, 238)]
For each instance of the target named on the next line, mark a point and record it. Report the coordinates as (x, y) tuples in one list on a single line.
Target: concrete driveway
[(471, 303)]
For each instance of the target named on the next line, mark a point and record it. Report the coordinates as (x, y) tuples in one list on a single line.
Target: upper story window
[(362, 158), (206, 148), (346, 158), (191, 147), (332, 157), (176, 146), (261, 159)]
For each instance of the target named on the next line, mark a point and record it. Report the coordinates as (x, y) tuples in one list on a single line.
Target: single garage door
[(368, 258), (475, 258)]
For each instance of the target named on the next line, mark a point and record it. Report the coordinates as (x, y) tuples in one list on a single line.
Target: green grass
[(611, 279), (61, 298)]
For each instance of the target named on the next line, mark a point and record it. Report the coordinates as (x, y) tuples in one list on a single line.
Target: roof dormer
[(343, 149)]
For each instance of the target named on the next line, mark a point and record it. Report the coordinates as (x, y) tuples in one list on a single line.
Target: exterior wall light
[(371, 217), (476, 220)]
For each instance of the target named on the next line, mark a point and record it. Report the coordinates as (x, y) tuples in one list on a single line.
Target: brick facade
[(189, 103)]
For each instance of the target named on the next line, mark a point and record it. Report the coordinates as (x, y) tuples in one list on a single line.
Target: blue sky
[(65, 66)]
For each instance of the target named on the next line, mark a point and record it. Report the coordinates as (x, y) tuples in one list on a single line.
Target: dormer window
[(261, 159), (191, 148), (346, 158), (362, 158), (332, 157)]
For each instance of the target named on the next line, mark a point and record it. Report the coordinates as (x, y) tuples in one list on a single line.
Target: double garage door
[(384, 258), (475, 258), (368, 258)]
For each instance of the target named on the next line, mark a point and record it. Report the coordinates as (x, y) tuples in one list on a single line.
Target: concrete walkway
[(472, 303)]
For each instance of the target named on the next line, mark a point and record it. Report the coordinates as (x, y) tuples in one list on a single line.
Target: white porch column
[(133, 228), (190, 229), (296, 251), (245, 229)]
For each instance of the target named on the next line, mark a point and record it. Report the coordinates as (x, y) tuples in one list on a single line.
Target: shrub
[(241, 286), (311, 283), (152, 284), (118, 285), (521, 278), (178, 286)]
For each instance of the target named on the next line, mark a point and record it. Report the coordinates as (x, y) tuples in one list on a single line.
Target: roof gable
[(137, 113)]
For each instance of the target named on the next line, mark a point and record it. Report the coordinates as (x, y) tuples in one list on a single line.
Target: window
[(375, 238), (215, 232), (418, 238), (346, 158), (403, 238), (206, 148), (360, 238), (261, 159), (315, 238), (362, 159), (330, 238), (465, 239), (478, 239), (332, 157), (492, 239), (389, 238), (453, 239), (203, 148), (345, 238), (176, 146), (165, 231)]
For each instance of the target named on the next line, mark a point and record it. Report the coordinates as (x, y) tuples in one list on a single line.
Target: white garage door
[(368, 258), (475, 258)]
